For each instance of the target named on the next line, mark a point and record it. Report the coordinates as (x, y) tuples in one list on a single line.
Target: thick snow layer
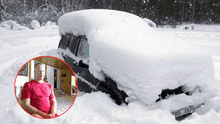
[(50, 25), (138, 57), (12, 25), (149, 22), (17, 47), (35, 24), (202, 28)]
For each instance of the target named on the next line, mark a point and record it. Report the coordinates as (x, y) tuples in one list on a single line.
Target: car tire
[(115, 94)]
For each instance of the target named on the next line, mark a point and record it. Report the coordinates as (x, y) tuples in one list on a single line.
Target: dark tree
[(2, 10), (162, 12)]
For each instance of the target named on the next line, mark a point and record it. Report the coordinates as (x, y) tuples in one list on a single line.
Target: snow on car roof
[(142, 60), (84, 21)]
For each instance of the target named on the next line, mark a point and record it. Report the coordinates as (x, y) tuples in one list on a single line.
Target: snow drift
[(150, 23), (142, 60), (12, 25), (35, 24)]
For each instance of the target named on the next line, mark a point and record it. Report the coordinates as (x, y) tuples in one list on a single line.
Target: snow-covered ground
[(17, 47)]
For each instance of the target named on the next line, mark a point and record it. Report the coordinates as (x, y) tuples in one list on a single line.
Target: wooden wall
[(65, 82)]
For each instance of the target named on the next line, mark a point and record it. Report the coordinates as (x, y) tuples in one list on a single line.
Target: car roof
[(83, 21)]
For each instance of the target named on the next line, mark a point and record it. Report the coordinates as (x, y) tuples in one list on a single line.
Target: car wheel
[(115, 94)]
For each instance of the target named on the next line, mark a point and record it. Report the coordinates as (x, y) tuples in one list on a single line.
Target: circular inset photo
[(45, 87)]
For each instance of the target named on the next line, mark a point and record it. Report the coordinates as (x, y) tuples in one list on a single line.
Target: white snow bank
[(136, 56), (150, 23), (211, 104), (98, 108), (35, 24), (50, 25), (211, 117), (12, 25), (6, 26), (185, 27), (199, 27)]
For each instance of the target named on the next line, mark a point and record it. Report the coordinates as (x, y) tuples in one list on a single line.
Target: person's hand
[(49, 116), (53, 115)]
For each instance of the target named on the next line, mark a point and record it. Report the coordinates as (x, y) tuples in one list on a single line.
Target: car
[(120, 54)]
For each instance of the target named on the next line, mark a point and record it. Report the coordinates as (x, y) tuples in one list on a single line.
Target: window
[(64, 41), (83, 51), (73, 44)]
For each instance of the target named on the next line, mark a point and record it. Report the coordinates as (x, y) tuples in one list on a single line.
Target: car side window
[(64, 41), (73, 43), (83, 51)]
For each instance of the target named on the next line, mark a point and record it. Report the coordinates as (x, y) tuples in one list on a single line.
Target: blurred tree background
[(162, 12)]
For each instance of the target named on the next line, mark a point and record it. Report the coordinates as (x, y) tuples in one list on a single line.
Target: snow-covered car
[(120, 54)]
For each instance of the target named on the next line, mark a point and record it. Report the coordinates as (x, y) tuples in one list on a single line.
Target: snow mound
[(150, 23), (199, 27), (6, 26), (50, 25), (12, 25), (186, 27), (211, 104), (35, 24), (138, 57)]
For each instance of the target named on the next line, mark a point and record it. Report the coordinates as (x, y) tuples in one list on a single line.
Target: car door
[(108, 86), (78, 59), (79, 62)]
